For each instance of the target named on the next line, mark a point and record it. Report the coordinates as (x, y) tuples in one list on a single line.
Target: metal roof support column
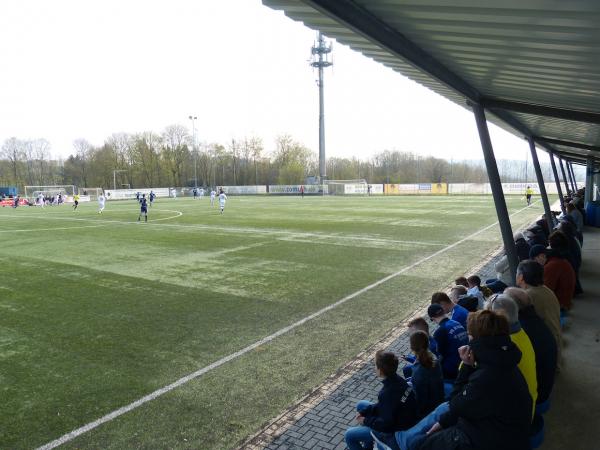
[(570, 177), (496, 185), (541, 185), (564, 175), (570, 166), (589, 181), (557, 181)]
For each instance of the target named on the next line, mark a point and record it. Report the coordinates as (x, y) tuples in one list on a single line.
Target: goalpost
[(67, 190), (347, 187)]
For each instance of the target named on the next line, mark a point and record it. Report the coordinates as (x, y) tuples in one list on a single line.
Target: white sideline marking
[(118, 412)]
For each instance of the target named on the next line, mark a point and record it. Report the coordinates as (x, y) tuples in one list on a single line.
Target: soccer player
[(137, 196), (195, 192), (75, 201), (152, 197), (101, 200), (528, 194), (143, 209), (201, 193), (222, 200), (41, 200), (212, 197)]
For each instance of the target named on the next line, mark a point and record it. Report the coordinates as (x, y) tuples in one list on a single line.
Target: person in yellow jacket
[(75, 202), (528, 194), (505, 305)]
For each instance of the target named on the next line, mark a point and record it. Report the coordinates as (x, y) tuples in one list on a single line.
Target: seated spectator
[(522, 246), (454, 311), (574, 251), (558, 273), (417, 324), (530, 277), (490, 408), (449, 336), (459, 296), (476, 290), (396, 408), (538, 254), (505, 305), (427, 379), (577, 217), (462, 281), (541, 339)]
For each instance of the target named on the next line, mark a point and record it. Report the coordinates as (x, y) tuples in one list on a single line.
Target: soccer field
[(97, 311)]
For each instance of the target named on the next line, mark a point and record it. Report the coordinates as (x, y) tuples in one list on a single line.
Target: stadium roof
[(533, 64)]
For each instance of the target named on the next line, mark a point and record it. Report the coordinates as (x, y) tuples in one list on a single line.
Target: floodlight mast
[(320, 60), (193, 119)]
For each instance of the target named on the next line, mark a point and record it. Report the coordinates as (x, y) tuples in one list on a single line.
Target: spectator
[(505, 305), (577, 216), (541, 339), (558, 273), (538, 254), (449, 336), (574, 251), (427, 378), (490, 408), (530, 276), (476, 290), (458, 295), (454, 311), (395, 410), (462, 281), (417, 324), (522, 246)]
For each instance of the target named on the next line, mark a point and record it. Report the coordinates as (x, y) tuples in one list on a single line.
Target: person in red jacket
[(559, 275)]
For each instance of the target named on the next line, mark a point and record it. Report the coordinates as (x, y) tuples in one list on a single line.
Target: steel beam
[(573, 176), (567, 143), (557, 181), (496, 185), (564, 175), (569, 176), (541, 110), (589, 181), (541, 185)]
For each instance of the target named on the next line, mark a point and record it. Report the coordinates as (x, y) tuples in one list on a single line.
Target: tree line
[(170, 158)]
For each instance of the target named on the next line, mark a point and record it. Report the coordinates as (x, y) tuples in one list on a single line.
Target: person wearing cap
[(558, 272), (538, 254), (455, 311), (450, 336)]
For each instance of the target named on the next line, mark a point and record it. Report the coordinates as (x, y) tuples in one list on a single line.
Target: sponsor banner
[(376, 189), (507, 188), (124, 194), (439, 188), (11, 202), (245, 190), (424, 186), (291, 189), (355, 189)]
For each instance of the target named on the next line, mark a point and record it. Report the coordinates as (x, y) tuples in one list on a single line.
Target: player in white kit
[(212, 197), (101, 201), (222, 200)]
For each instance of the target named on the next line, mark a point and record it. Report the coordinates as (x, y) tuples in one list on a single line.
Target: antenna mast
[(320, 59)]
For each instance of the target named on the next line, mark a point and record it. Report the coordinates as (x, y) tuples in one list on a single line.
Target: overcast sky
[(86, 69)]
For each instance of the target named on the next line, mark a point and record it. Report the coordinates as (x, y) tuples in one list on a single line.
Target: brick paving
[(319, 420)]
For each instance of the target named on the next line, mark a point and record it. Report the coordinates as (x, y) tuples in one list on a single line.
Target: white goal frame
[(32, 192), (358, 186)]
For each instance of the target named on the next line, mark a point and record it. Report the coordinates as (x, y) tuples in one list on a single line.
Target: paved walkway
[(319, 420)]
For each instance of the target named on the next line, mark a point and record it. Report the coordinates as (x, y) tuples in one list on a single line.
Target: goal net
[(93, 193), (347, 187), (33, 192)]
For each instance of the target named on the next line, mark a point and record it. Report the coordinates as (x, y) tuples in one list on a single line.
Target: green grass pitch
[(97, 311)]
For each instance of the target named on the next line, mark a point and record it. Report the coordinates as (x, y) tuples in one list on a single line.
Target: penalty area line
[(181, 381)]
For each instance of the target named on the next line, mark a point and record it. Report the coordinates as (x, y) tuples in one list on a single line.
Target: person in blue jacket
[(454, 310), (395, 410), (450, 336), (427, 379)]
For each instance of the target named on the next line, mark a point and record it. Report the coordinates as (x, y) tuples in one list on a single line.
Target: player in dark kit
[(152, 197), (143, 209)]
